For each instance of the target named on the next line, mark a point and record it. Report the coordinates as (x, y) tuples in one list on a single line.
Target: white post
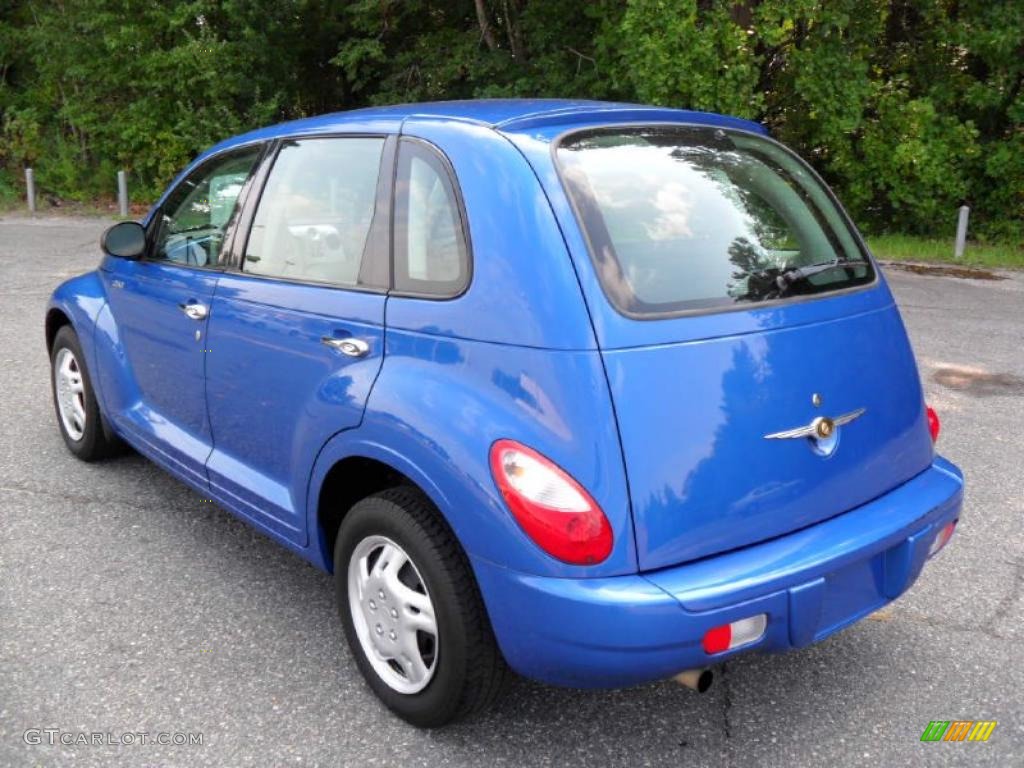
[(122, 193), (30, 190), (961, 232)]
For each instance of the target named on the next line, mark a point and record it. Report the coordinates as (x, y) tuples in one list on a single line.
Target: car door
[(296, 332), (161, 304)]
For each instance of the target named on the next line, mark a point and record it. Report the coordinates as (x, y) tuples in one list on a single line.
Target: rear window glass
[(689, 218), (431, 254)]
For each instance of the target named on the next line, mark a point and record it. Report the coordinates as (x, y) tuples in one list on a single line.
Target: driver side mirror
[(126, 240)]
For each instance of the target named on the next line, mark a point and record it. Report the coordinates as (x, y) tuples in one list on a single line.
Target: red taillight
[(553, 509), (933, 423)]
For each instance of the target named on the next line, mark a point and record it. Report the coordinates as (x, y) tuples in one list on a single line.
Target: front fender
[(80, 300)]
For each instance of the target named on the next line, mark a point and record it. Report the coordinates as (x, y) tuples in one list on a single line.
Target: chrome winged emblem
[(821, 428)]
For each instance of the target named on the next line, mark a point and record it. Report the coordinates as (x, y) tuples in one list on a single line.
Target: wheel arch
[(56, 318), (75, 302), (348, 481), (350, 468)]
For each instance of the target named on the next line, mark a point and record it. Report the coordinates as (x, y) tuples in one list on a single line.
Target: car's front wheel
[(78, 414), (412, 611)]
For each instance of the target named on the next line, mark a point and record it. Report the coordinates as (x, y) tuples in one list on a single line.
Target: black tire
[(97, 440), (470, 672)]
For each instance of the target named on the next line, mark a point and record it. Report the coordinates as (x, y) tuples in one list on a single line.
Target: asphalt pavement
[(128, 605)]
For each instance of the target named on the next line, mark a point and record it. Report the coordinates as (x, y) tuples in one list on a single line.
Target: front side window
[(692, 218), (196, 215), (431, 253), (314, 218)]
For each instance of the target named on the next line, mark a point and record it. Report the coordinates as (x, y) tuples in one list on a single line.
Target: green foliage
[(908, 107), (915, 162), (671, 53)]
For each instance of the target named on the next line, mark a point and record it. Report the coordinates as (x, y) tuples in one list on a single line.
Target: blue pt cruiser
[(598, 393)]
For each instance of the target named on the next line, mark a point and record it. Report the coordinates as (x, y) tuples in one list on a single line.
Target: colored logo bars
[(958, 730)]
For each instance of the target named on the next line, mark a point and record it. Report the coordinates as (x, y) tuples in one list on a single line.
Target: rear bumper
[(593, 633)]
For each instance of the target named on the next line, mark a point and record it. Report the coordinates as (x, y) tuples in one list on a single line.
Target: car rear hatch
[(761, 374)]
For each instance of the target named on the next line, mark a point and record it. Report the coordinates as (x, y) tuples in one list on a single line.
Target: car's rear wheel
[(412, 612), (83, 428)]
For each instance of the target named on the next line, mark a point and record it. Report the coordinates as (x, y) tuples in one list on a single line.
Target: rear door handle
[(350, 346), (195, 310)]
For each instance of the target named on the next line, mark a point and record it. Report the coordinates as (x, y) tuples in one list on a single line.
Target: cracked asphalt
[(128, 605)]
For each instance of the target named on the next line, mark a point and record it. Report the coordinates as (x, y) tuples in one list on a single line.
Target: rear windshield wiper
[(772, 283), (796, 274)]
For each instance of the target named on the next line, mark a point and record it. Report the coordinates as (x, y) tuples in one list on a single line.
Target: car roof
[(510, 115)]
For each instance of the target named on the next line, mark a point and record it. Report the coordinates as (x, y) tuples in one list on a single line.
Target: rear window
[(688, 218)]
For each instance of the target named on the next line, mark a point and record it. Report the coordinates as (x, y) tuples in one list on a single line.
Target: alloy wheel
[(70, 387)]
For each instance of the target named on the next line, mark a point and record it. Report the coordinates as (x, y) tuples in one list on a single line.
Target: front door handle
[(348, 346), (194, 310)]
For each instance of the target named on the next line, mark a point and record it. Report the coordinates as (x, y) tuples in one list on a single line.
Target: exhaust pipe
[(698, 680)]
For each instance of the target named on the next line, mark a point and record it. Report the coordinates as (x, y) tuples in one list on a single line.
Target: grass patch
[(913, 248)]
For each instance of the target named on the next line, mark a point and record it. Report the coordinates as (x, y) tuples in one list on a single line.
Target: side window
[(314, 217), (431, 254), (197, 213)]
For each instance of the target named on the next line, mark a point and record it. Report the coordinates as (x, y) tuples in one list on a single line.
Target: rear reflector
[(729, 636), (942, 539)]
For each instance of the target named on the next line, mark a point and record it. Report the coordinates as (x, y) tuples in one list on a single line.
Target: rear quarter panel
[(438, 406)]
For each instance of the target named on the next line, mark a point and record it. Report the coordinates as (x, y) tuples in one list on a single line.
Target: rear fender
[(433, 417)]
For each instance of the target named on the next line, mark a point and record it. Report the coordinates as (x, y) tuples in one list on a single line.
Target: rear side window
[(690, 218), (315, 214), (431, 251)]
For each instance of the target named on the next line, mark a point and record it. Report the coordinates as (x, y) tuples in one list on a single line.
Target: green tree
[(908, 107)]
